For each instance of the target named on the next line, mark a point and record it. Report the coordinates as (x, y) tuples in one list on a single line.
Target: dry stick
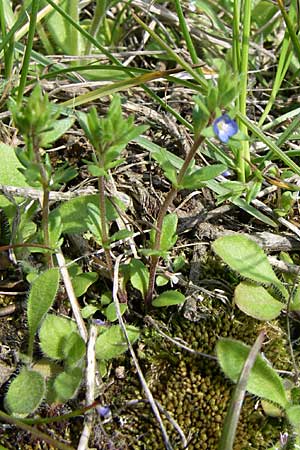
[(163, 211), (135, 360), (72, 297), (90, 388), (37, 194)]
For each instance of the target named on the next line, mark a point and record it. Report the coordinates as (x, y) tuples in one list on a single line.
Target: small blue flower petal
[(103, 411), (224, 127)]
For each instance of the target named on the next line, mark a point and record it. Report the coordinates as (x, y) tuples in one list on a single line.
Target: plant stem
[(34, 431), (26, 61), (99, 14), (46, 194), (104, 233), (243, 153), (163, 211), (73, 43)]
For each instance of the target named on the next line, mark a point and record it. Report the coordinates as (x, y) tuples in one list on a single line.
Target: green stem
[(244, 154), (37, 433), (26, 61), (46, 192), (236, 50), (98, 17), (104, 233), (163, 211), (187, 36), (73, 41)]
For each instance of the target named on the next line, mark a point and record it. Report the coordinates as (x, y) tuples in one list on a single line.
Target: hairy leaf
[(111, 343), (263, 380), (246, 257), (257, 302), (168, 298), (25, 393), (54, 332), (41, 297)]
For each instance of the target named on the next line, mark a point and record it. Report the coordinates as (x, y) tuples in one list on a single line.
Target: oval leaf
[(53, 334), (111, 343), (110, 311), (139, 276), (67, 383), (256, 302), (41, 297), (168, 298), (73, 349), (293, 415), (83, 281), (263, 380), (246, 257), (168, 233), (25, 393)]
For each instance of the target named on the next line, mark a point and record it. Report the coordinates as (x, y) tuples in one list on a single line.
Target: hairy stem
[(46, 194), (163, 211), (104, 233)]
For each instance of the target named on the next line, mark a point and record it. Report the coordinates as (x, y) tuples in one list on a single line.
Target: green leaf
[(293, 416), (168, 298), (263, 380), (161, 280), (96, 171), (55, 230), (59, 127), (151, 252), (73, 349), (88, 311), (54, 332), (106, 298), (9, 173), (246, 257), (198, 177), (83, 281), (295, 303), (162, 157), (139, 276), (67, 383), (25, 393), (41, 297), (257, 302), (75, 213), (120, 235), (168, 233), (110, 312), (111, 343)]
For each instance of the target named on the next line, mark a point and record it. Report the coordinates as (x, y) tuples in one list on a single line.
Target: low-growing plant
[(262, 294), (278, 398)]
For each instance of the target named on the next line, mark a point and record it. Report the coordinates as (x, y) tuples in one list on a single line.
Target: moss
[(194, 391)]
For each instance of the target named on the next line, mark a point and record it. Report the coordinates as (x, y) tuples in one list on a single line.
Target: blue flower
[(104, 411), (224, 127)]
